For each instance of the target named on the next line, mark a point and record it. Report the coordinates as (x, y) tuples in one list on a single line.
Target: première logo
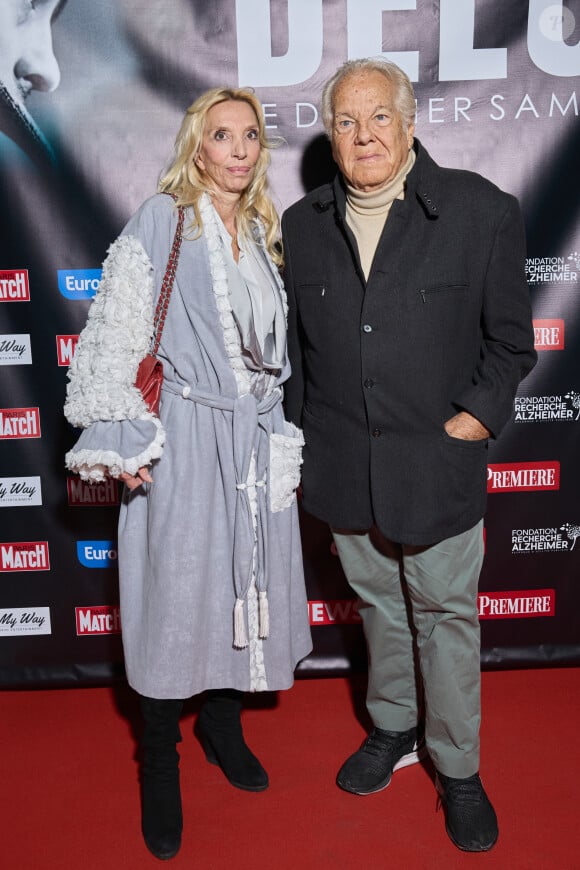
[(14, 285), (517, 605), (523, 476), (19, 423), (24, 556), (549, 334)]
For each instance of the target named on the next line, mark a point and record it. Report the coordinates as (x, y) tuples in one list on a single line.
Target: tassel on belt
[(250, 434)]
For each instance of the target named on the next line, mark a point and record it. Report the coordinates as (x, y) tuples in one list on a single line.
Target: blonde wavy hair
[(188, 182)]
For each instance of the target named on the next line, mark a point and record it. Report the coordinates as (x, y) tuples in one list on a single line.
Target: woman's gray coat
[(216, 533)]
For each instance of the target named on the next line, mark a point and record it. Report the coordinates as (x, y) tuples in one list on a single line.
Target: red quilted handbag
[(149, 379)]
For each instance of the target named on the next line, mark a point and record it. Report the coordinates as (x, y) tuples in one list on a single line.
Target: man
[(409, 331), (27, 63)]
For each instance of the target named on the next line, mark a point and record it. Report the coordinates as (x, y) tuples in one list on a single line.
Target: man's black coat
[(442, 324)]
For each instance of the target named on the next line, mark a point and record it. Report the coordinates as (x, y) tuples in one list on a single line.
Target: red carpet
[(70, 796)]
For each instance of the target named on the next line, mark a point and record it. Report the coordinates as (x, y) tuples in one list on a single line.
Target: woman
[(211, 583)]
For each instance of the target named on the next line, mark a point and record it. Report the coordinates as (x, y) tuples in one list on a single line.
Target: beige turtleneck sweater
[(366, 213)]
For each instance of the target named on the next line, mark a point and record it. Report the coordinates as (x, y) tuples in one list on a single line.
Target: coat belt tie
[(250, 437)]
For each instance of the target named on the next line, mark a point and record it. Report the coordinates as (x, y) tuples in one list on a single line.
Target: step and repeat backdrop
[(91, 97)]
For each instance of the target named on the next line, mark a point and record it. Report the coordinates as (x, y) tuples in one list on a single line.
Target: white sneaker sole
[(419, 751), (418, 754)]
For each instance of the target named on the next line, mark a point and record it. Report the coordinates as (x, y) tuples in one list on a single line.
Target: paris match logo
[(83, 494), (100, 619), (548, 409), (19, 423), (14, 285), (65, 348), (24, 556), (523, 476)]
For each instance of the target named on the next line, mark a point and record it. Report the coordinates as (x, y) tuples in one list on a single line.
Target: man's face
[(27, 61), (369, 143)]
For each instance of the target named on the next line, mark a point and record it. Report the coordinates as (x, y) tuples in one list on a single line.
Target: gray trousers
[(419, 612)]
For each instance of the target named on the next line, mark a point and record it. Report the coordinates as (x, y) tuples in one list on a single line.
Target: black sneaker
[(371, 767), (470, 819)]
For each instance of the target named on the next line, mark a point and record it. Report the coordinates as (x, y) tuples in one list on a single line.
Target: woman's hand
[(133, 481)]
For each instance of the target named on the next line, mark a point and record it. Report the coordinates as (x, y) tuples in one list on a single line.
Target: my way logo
[(553, 270), (65, 348), (24, 556), (551, 540), (19, 423), (96, 554), (24, 620), (79, 283), (548, 409), (15, 350), (14, 285), (20, 491)]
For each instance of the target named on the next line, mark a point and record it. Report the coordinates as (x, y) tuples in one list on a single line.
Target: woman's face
[(230, 147)]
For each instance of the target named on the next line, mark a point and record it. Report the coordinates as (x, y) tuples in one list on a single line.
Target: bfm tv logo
[(14, 285), (80, 493), (65, 348), (19, 423), (100, 619), (24, 556)]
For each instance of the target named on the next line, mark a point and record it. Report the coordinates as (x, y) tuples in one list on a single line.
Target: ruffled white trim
[(285, 462), (260, 238), (115, 339), (217, 265), (97, 465)]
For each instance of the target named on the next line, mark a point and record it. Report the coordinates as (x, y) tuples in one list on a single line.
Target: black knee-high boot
[(219, 729), (161, 819)]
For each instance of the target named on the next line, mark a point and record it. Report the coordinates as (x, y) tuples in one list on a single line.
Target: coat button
[(376, 433), (369, 383), (367, 328)]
